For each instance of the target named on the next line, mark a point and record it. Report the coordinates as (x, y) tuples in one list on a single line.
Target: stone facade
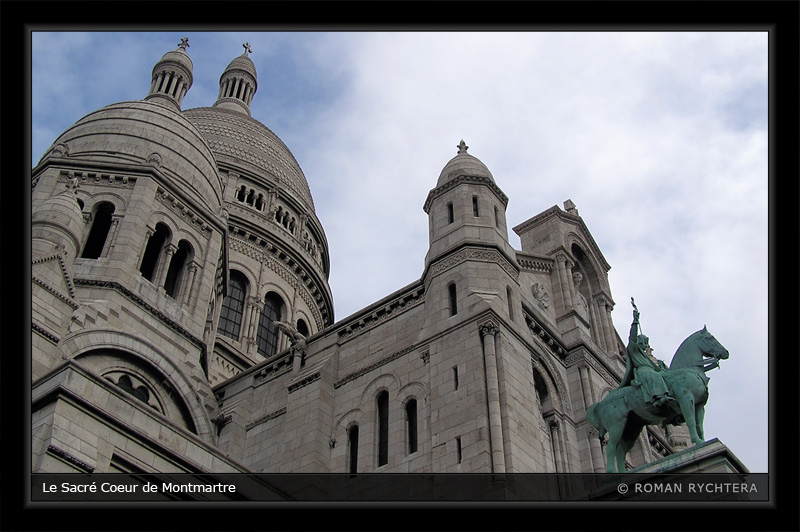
[(183, 322)]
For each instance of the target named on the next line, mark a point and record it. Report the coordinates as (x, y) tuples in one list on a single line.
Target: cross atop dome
[(247, 49), (462, 147), (184, 43)]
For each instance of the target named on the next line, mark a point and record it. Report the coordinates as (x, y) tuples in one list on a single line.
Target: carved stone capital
[(488, 328), (425, 356)]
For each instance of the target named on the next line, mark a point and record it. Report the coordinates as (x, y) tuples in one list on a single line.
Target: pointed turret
[(238, 83), (466, 207), (172, 77)]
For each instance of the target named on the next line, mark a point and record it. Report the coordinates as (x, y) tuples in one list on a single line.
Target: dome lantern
[(172, 77), (238, 83)]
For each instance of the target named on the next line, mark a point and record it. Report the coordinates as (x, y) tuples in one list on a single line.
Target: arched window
[(383, 428), (153, 251), (267, 337), (411, 425), (302, 328), (451, 289), (352, 448), (177, 269), (99, 232), (230, 317)]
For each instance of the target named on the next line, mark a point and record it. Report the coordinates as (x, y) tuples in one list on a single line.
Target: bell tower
[(466, 208)]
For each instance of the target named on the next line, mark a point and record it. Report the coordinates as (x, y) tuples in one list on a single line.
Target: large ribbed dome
[(463, 164), (244, 142), (147, 134)]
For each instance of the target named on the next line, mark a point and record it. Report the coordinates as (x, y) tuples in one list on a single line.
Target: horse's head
[(709, 345)]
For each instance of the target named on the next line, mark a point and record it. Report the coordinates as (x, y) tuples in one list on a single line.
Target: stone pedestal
[(707, 472), (710, 457)]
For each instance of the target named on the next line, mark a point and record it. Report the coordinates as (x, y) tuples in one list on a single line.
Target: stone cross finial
[(184, 43), (462, 147), (247, 49)]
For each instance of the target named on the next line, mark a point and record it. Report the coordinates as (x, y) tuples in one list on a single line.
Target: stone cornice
[(64, 455), (535, 263), (565, 217), (124, 175), (279, 365), (182, 210), (172, 324), (545, 337), (381, 311), (264, 419), (382, 362), (471, 252), (462, 179)]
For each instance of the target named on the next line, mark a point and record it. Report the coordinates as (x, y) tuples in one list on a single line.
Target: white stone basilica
[(182, 319)]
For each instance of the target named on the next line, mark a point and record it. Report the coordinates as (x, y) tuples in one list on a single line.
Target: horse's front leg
[(612, 450), (700, 413), (688, 411)]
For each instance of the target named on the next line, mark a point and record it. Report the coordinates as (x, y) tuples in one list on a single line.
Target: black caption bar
[(398, 487)]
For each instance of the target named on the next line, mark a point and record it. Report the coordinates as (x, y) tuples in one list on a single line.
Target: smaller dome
[(243, 63), (59, 221), (148, 134), (178, 57), (463, 164)]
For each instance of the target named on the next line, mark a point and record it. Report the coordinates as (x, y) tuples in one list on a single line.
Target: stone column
[(563, 281), (189, 284), (597, 332), (573, 298), (612, 338), (255, 306), (596, 451), (108, 245), (609, 328), (555, 437), (601, 302), (588, 399), (163, 265), (488, 332)]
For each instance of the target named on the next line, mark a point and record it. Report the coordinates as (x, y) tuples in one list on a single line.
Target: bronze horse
[(623, 413)]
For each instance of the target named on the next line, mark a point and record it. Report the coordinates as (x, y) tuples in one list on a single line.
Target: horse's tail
[(594, 419)]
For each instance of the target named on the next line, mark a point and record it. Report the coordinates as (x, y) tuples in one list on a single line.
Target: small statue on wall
[(540, 295)]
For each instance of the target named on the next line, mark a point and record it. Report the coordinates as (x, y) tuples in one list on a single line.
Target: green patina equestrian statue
[(650, 393)]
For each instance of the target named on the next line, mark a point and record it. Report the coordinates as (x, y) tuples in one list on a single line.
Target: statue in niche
[(652, 394), (580, 305)]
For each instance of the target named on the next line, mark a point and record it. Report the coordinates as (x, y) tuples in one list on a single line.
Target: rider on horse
[(640, 370)]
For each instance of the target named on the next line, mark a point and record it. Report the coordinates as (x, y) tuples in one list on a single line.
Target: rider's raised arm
[(634, 328)]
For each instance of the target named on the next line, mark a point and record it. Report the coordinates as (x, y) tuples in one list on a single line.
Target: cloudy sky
[(660, 139)]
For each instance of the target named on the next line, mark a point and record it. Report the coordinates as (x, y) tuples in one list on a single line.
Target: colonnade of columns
[(239, 88), (170, 83)]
